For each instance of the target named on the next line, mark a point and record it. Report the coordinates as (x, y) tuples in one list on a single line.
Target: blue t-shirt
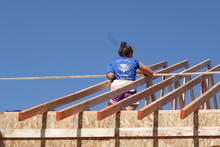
[(124, 68)]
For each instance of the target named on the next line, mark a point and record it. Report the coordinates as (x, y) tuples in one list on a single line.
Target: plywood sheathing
[(87, 119)]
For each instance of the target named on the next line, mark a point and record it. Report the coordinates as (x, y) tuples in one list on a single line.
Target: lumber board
[(181, 100), (156, 105), (109, 132), (214, 97), (152, 96), (191, 90), (162, 90), (66, 112), (147, 99), (101, 114), (159, 65), (25, 114), (174, 67), (184, 112), (212, 83), (38, 109), (204, 87), (127, 119), (184, 94), (105, 112)]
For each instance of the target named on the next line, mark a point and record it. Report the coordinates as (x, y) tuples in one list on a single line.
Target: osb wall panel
[(209, 118), (88, 119), (9, 120), (113, 143)]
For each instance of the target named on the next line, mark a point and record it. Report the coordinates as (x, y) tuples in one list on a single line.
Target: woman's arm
[(110, 75), (145, 70)]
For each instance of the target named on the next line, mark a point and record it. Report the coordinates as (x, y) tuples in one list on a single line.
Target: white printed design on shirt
[(124, 67)]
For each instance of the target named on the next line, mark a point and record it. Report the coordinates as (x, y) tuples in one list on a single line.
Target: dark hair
[(125, 50)]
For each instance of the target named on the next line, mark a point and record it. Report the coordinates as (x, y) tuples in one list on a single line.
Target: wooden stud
[(158, 65), (204, 88), (211, 81), (170, 89), (134, 98), (156, 105), (192, 95), (174, 67), (147, 98), (39, 109), (101, 114), (66, 112), (162, 90), (153, 96), (177, 84), (214, 97), (185, 79), (199, 101), (108, 95)]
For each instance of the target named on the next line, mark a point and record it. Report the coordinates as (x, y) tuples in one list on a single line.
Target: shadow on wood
[(117, 126), (43, 129), (1, 140), (155, 130), (195, 128), (79, 130)]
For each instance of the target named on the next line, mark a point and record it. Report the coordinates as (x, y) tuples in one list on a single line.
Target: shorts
[(118, 84), (121, 97)]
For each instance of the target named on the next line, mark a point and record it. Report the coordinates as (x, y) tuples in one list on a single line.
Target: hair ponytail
[(125, 50), (123, 44)]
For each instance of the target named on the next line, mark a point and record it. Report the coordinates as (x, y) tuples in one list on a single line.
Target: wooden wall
[(162, 129)]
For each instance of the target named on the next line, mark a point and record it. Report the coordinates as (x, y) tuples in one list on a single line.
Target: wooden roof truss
[(176, 94)]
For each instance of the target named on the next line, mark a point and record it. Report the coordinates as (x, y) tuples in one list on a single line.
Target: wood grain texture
[(199, 101), (170, 96), (168, 123), (28, 113), (109, 132), (144, 93), (66, 112)]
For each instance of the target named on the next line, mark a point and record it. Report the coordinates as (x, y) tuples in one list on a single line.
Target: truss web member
[(122, 71)]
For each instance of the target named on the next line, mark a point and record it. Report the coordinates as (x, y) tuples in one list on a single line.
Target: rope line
[(100, 76)]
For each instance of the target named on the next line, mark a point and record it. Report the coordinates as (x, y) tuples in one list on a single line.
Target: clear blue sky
[(48, 38)]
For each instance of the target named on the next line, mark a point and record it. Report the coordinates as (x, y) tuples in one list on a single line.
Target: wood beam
[(148, 84), (177, 84), (138, 96), (162, 90), (174, 67), (199, 101), (101, 114), (159, 65), (214, 97), (192, 95), (204, 88), (156, 105), (25, 114), (38, 109), (181, 101), (212, 83), (66, 112), (153, 96)]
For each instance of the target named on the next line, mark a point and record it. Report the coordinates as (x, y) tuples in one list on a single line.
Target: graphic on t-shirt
[(124, 67)]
